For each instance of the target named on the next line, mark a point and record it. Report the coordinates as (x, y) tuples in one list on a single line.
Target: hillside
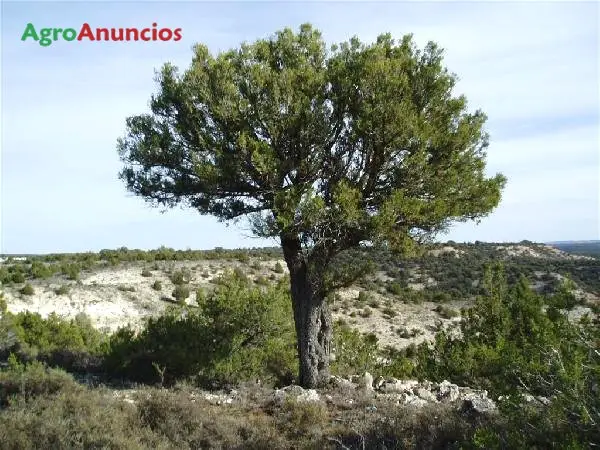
[(401, 301)]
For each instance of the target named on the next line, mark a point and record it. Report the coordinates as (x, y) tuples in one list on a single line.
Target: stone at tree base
[(367, 381), (448, 391), (425, 395)]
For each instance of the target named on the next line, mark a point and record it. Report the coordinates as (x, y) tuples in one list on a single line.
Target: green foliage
[(446, 312), (157, 285), (181, 277), (426, 145), (355, 353), (511, 346), (62, 290), (54, 333), (278, 268), (27, 290), (238, 332), (180, 293), (123, 288), (18, 277), (40, 270), (146, 273), (71, 270), (32, 380)]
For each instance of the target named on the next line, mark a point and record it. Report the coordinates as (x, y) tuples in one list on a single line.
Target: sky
[(532, 67)]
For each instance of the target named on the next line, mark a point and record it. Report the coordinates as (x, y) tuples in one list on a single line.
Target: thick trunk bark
[(312, 318)]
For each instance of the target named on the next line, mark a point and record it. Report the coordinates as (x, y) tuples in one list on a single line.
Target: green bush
[(261, 281), (146, 273), (238, 332), (180, 293), (180, 277), (123, 288), (49, 338), (40, 270), (62, 290), (446, 312), (278, 268), (71, 271), (32, 380), (354, 352), (18, 277), (511, 346), (157, 285), (27, 290)]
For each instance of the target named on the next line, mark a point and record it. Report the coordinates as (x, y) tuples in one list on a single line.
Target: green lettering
[(30, 32), (45, 34), (69, 34)]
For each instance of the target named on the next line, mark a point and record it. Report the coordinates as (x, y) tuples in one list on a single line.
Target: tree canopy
[(361, 142)]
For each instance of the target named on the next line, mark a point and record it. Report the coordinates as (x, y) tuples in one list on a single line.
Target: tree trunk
[(312, 318)]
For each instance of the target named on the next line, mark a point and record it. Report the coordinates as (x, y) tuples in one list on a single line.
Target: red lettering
[(86, 32), (177, 34), (143, 34), (134, 31), (114, 36), (100, 32), (161, 34)]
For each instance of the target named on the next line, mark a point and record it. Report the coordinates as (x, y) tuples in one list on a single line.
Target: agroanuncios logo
[(46, 36)]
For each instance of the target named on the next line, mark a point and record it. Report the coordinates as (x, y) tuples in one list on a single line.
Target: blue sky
[(531, 66)]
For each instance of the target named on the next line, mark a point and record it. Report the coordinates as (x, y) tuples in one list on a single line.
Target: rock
[(217, 399), (425, 395), (478, 402), (296, 392), (447, 392), (367, 381), (341, 382), (378, 383), (399, 386), (308, 396), (413, 400)]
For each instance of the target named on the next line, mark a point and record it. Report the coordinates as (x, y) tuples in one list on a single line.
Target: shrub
[(62, 290), (366, 312), (364, 297), (27, 290), (261, 281), (510, 346), (180, 293), (278, 268), (237, 333), (394, 288), (180, 277), (46, 338), (240, 274), (126, 288), (200, 296), (40, 270), (32, 380), (354, 352), (390, 312), (18, 277), (71, 271), (146, 273), (446, 312), (157, 285)]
